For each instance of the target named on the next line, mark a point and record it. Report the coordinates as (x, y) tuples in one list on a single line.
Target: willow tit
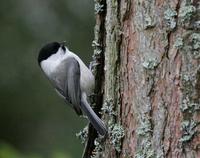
[(71, 79)]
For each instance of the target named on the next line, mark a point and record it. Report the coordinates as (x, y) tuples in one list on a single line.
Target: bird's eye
[(63, 48)]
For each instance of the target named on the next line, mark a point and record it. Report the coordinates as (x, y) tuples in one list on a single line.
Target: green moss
[(169, 17), (150, 63), (83, 135), (116, 133), (178, 43), (186, 13)]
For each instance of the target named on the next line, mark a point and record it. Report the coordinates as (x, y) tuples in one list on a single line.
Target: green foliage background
[(34, 121)]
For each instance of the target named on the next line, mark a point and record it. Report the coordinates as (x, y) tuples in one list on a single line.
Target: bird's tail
[(93, 118)]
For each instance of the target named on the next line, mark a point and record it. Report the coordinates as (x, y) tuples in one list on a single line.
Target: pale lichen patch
[(98, 7), (150, 63), (117, 133), (188, 128), (170, 18), (144, 131), (178, 43), (186, 14), (83, 135)]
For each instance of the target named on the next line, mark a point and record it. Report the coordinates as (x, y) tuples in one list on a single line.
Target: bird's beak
[(62, 43)]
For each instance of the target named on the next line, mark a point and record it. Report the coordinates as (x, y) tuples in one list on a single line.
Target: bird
[(71, 79)]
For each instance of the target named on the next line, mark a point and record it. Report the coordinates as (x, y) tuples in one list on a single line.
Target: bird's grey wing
[(70, 83), (69, 78)]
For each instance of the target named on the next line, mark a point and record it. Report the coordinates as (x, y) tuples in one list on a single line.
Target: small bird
[(71, 78)]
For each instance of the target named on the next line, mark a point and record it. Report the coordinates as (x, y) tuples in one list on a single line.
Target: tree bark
[(147, 56)]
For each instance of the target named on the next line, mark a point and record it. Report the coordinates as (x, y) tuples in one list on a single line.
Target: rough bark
[(150, 54)]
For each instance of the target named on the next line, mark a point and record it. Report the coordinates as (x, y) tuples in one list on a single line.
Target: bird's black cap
[(47, 50)]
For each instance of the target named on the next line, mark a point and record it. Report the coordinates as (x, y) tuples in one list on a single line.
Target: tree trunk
[(146, 63)]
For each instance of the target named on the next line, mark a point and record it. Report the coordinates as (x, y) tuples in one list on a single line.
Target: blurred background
[(34, 121)]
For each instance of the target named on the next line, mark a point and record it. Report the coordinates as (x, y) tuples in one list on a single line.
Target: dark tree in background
[(34, 120), (147, 56)]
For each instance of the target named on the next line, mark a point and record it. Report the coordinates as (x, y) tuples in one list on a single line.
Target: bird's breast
[(86, 80)]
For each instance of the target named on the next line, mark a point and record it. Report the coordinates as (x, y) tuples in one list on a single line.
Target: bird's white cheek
[(48, 67)]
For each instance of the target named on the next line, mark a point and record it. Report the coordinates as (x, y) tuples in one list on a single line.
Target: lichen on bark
[(150, 87)]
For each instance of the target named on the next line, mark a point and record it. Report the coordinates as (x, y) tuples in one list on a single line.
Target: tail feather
[(93, 118)]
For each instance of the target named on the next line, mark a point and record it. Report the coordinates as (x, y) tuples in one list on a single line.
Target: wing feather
[(68, 84)]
